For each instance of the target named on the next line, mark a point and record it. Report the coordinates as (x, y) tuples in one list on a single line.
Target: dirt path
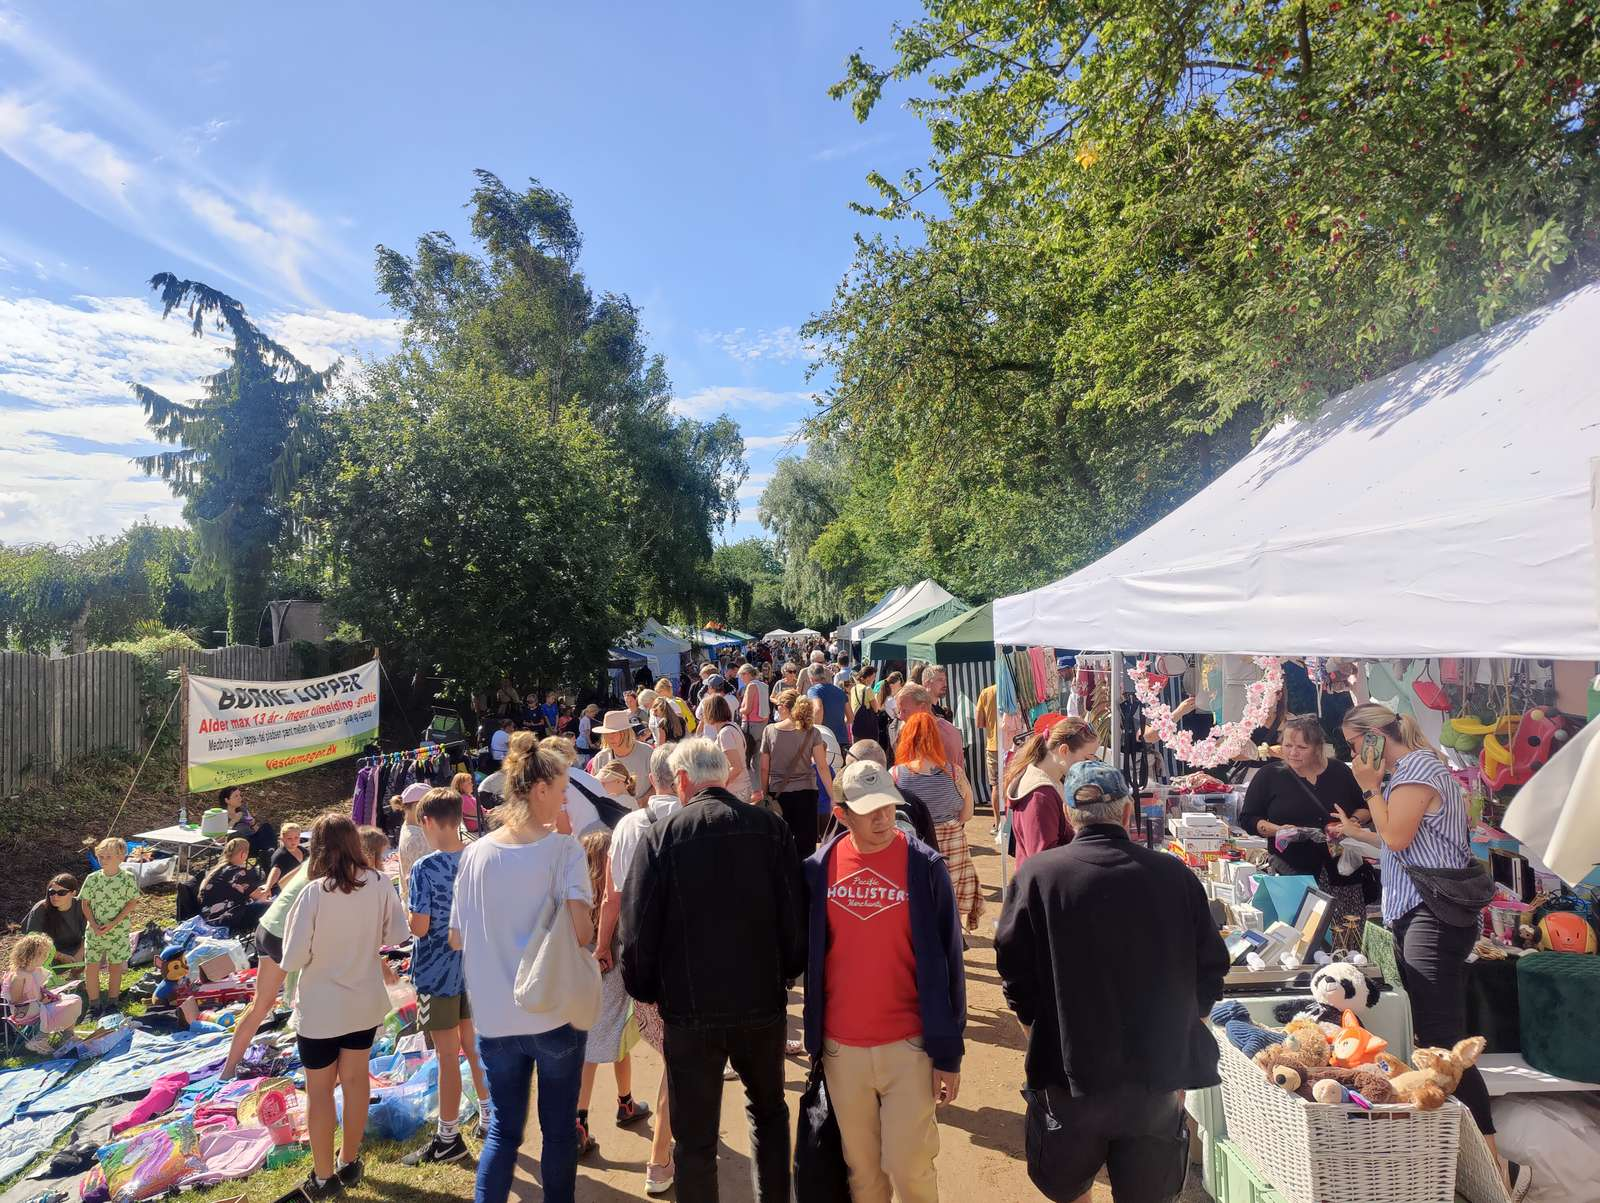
[(980, 1158)]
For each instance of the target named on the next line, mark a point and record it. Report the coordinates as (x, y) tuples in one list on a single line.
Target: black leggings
[(1433, 969), (799, 808)]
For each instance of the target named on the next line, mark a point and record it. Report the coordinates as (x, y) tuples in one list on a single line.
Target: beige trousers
[(883, 1098)]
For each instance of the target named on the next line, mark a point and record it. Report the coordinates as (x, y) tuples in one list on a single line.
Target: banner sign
[(239, 731)]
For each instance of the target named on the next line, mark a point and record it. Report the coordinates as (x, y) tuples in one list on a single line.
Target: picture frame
[(1312, 919)]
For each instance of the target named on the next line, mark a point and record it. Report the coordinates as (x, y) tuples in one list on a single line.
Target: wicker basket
[(1317, 1153)]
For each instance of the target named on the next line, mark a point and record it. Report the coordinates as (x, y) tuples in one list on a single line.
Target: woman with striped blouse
[(1421, 817)]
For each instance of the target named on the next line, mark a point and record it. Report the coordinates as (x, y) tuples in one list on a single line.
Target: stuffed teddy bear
[(1354, 1045), (1307, 1042), (1284, 1069), (1335, 988), (1437, 1073)]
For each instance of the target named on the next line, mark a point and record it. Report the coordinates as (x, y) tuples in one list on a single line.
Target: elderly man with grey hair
[(714, 933), (1142, 920), (626, 839)]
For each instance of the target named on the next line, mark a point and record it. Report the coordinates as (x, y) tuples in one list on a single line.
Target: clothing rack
[(424, 750)]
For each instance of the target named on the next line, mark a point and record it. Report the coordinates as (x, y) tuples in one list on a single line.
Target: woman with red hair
[(923, 770)]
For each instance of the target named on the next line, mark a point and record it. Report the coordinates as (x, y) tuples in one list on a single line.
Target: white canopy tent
[(916, 599), (1447, 509), (660, 648), (774, 636), (888, 599), (1451, 508), (807, 633)]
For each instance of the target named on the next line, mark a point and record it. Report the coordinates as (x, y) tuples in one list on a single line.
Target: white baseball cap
[(866, 787)]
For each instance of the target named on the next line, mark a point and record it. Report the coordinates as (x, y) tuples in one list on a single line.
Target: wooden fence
[(57, 711)]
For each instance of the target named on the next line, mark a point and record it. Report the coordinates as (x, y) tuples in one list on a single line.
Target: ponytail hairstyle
[(1074, 733), (1402, 728), (619, 770), (528, 763), (229, 850), (803, 711)]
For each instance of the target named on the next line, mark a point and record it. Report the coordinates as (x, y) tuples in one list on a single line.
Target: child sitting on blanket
[(30, 1000)]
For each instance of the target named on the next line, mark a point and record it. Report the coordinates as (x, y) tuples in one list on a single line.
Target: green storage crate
[(1235, 1180)]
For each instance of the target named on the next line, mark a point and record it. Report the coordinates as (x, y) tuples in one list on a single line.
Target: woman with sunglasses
[(59, 916)]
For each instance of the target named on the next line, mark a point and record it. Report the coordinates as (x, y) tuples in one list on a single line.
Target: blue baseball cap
[(1097, 773)]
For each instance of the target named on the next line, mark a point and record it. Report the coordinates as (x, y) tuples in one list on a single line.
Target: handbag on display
[(820, 1173), (556, 977)]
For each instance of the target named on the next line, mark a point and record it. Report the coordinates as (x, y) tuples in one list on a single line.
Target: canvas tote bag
[(557, 978)]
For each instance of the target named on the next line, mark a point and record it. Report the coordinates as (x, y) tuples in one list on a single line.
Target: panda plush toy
[(1337, 987)]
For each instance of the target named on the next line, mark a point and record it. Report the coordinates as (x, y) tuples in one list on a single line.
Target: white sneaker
[(658, 1178)]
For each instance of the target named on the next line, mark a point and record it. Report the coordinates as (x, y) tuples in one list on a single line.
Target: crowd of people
[(771, 828)]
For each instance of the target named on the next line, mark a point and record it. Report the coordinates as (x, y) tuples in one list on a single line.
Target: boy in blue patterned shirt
[(442, 1010)]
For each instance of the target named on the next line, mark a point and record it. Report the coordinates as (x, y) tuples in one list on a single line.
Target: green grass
[(386, 1180)]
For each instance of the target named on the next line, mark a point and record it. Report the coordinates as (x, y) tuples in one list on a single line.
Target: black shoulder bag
[(820, 1173)]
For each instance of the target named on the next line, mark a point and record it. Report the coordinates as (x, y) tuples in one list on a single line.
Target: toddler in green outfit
[(108, 896)]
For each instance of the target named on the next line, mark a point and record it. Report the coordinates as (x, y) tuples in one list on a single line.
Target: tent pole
[(1116, 707)]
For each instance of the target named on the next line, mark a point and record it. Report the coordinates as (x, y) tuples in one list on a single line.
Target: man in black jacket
[(714, 932), (1108, 954)]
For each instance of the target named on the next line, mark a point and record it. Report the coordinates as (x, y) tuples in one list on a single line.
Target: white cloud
[(754, 485), (72, 364), (56, 354), (769, 442), (97, 157), (66, 159), (852, 146), (780, 345), (319, 336), (734, 400)]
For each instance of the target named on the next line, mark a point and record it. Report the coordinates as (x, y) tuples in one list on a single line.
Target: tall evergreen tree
[(243, 445)]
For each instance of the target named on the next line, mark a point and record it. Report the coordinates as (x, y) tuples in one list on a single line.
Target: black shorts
[(269, 945), (1138, 1136), (319, 1054)]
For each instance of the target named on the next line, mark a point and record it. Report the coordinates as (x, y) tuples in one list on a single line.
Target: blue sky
[(267, 150)]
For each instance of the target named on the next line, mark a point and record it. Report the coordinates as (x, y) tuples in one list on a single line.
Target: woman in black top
[(287, 858), (1303, 791), (59, 916)]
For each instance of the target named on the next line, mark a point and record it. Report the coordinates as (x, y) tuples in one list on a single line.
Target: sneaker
[(349, 1173), (480, 1126), (586, 1143), (658, 1178), (311, 1190), (438, 1151), (632, 1112)]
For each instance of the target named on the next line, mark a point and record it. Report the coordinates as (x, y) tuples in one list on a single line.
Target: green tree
[(463, 536), (521, 314), (99, 592), (243, 445), (1242, 202), (754, 577)]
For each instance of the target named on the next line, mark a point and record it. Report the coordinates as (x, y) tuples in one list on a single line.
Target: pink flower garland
[(1225, 741)]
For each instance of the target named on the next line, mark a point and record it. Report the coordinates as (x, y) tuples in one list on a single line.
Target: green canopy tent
[(964, 647), (890, 643), (962, 639)]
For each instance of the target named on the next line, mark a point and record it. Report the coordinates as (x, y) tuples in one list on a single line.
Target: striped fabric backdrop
[(967, 681)]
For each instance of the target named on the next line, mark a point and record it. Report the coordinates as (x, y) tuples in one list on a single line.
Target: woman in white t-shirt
[(719, 725), (503, 886)]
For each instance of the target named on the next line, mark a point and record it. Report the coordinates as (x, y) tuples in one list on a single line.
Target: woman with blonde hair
[(617, 734), (923, 768), (505, 887), (1425, 859), (664, 689), (794, 759), (471, 811), (1033, 779)]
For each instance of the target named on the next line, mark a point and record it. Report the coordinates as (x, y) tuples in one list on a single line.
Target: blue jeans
[(509, 1063)]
